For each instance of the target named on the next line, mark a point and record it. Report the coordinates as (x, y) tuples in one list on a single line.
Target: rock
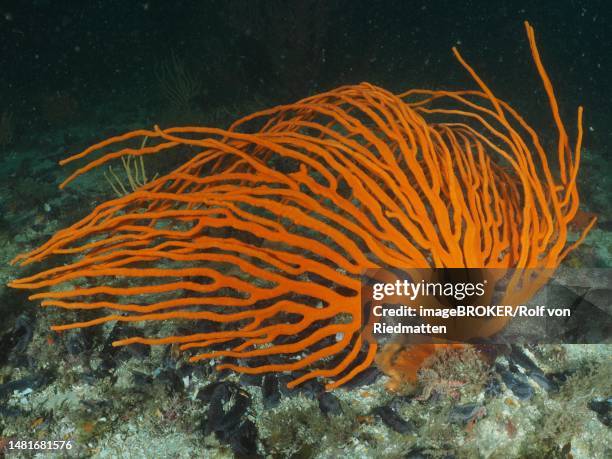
[(462, 414), (270, 391), (329, 404), (603, 408), (228, 404), (518, 384), (393, 420)]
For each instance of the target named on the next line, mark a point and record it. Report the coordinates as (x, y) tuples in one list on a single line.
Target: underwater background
[(75, 72)]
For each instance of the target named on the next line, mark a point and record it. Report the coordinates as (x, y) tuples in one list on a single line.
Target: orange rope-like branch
[(263, 233)]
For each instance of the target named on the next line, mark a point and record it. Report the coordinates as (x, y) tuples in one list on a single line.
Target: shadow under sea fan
[(263, 233)]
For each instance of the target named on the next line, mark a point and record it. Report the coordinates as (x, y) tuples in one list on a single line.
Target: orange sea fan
[(261, 236)]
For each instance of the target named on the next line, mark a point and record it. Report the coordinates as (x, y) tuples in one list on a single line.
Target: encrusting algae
[(261, 236)]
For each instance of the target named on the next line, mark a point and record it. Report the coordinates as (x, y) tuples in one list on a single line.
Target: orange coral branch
[(264, 232)]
